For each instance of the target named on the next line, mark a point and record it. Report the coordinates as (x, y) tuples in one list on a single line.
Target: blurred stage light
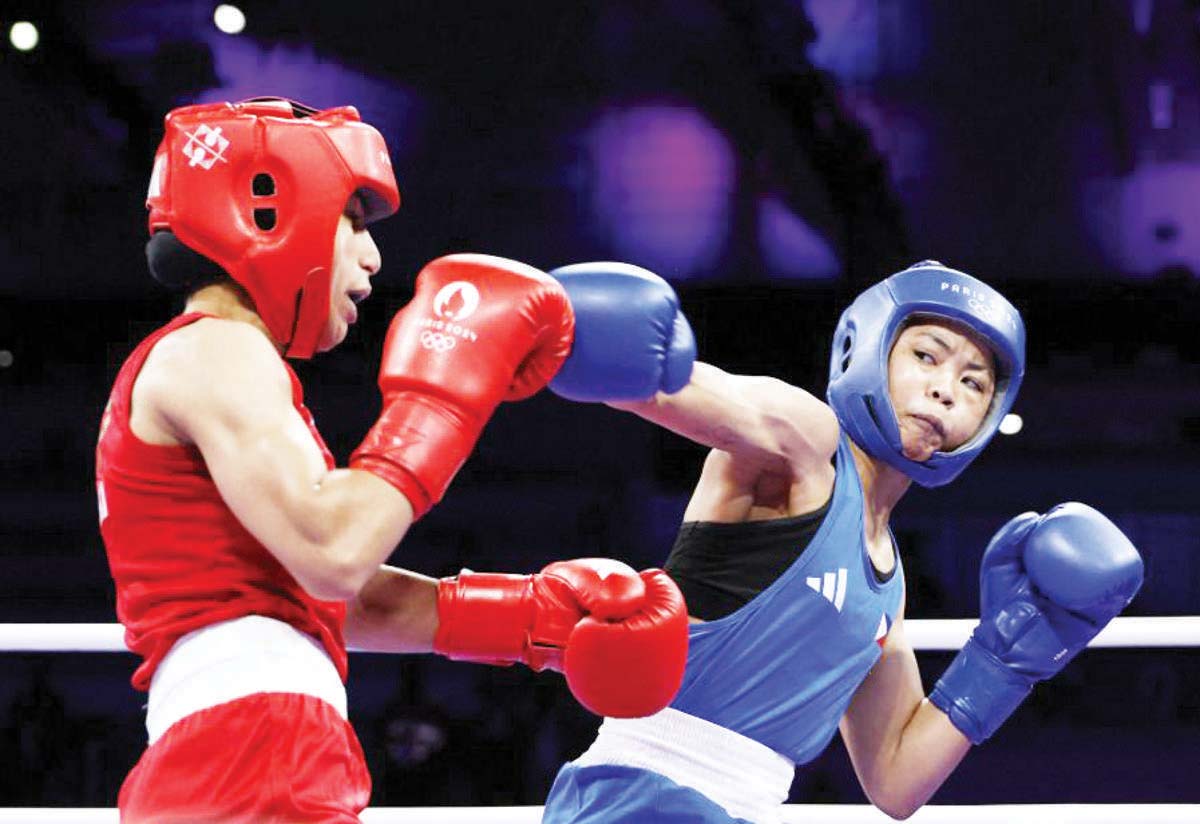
[(23, 35), (6, 359), (1011, 424), (229, 19), (1146, 221), (663, 184)]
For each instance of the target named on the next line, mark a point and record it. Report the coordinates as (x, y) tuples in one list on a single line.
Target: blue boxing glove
[(1047, 585), (631, 339)]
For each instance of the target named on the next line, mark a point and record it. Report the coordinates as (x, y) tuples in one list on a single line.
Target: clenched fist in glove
[(620, 637), (1048, 584), (479, 330), (631, 338)]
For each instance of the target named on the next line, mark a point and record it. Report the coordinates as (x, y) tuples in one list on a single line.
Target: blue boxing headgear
[(866, 332)]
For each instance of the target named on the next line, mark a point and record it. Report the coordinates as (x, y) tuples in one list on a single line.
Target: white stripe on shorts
[(232, 659), (748, 779)]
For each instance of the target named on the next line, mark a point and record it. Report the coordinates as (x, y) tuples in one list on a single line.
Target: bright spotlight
[(1011, 424), (23, 35), (229, 19)]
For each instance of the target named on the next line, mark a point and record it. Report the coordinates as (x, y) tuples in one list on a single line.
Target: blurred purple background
[(769, 158)]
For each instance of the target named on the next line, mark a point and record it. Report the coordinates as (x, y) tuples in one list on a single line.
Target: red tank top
[(178, 556)]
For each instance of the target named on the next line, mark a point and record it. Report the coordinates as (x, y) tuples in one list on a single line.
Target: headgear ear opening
[(858, 368)]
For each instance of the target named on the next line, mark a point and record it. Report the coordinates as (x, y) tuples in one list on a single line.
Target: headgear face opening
[(862, 344), (258, 187)]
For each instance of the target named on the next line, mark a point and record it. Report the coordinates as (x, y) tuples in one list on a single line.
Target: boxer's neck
[(883, 486), (229, 301)]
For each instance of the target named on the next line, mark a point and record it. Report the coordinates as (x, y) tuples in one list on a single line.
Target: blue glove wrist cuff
[(978, 692)]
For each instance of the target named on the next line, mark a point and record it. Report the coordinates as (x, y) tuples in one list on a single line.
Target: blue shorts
[(605, 794)]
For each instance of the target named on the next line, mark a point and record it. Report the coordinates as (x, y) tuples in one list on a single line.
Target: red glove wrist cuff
[(484, 617), (418, 445), (408, 484)]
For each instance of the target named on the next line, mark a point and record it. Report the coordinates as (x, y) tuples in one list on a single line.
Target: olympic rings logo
[(437, 341)]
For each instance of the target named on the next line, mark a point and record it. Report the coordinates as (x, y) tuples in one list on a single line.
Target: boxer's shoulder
[(201, 368), (216, 350)]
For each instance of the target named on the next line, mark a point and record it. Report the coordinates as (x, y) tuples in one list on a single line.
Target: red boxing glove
[(479, 330), (620, 637)]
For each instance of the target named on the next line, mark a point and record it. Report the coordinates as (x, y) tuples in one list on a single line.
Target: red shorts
[(265, 758)]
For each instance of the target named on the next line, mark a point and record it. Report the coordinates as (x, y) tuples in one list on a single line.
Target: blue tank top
[(782, 668)]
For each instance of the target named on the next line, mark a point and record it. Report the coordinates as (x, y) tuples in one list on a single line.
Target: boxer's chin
[(917, 445), (333, 334)]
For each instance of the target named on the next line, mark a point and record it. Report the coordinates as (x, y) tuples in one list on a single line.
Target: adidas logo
[(831, 586)]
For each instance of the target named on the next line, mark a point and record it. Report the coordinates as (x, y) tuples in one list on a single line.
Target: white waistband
[(233, 659), (748, 779)]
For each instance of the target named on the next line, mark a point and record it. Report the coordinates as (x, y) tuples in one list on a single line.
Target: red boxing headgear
[(258, 188)]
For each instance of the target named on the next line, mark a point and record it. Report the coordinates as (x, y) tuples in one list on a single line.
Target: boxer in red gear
[(244, 560)]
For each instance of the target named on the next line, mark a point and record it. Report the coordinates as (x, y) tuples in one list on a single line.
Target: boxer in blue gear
[(792, 575)]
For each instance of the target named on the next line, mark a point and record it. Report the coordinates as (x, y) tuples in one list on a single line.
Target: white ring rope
[(1160, 631), (792, 814), (927, 634), (924, 634)]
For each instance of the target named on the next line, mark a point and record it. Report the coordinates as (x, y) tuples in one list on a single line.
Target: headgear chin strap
[(258, 187), (866, 332)]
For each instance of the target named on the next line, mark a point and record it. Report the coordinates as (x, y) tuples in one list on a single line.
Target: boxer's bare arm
[(220, 385), (903, 747), (758, 419), (396, 611)]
